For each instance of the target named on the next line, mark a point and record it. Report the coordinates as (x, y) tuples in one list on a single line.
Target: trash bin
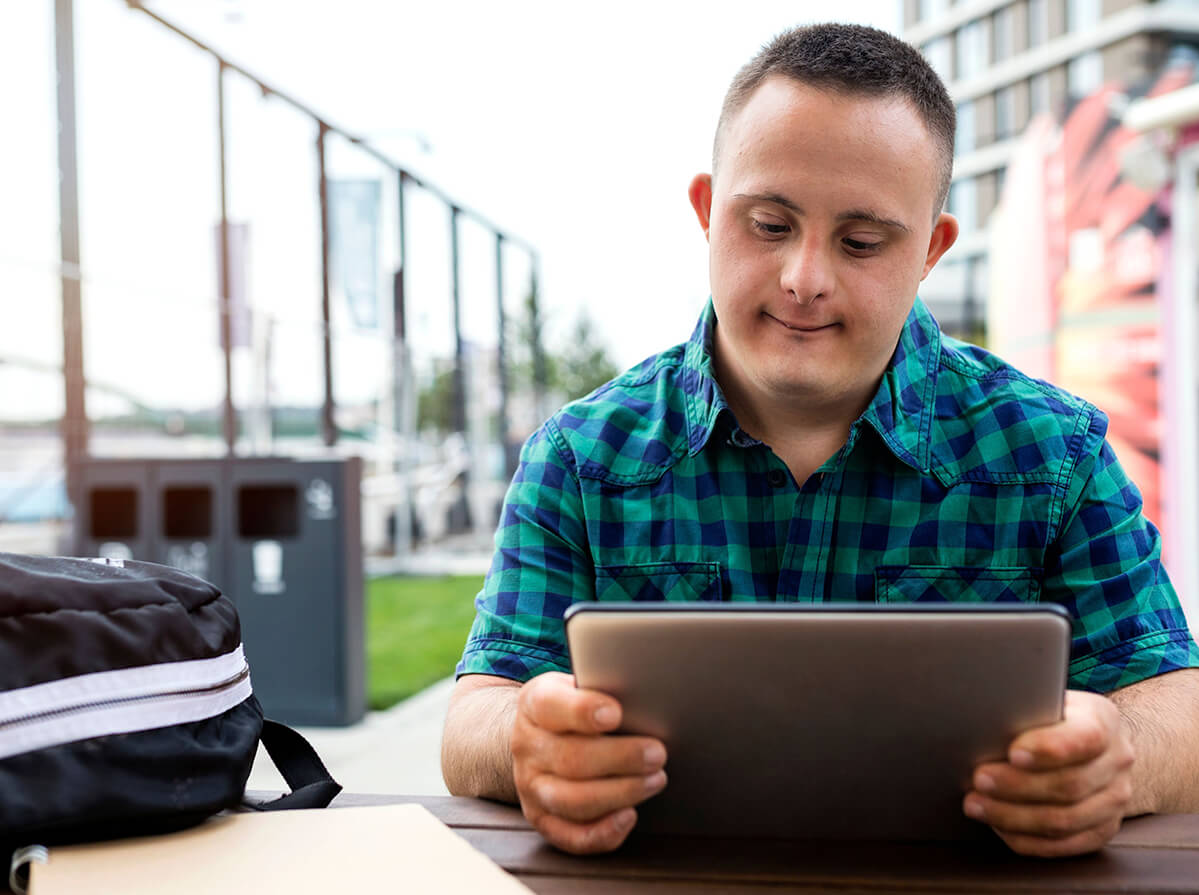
[(296, 576), (281, 537), (191, 500), (116, 516)]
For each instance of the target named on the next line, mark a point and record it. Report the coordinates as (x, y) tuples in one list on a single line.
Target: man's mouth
[(802, 326)]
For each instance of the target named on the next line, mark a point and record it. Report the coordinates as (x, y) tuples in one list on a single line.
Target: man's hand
[(1065, 787), (577, 786)]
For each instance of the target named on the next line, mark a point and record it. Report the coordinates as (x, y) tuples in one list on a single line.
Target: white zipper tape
[(135, 699), (122, 683)]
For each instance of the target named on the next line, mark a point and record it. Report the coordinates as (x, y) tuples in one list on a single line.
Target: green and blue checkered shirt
[(964, 481)]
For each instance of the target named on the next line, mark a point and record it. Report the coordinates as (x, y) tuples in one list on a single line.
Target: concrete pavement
[(393, 751)]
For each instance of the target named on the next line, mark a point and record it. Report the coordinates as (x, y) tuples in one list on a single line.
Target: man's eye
[(768, 228), (858, 245)]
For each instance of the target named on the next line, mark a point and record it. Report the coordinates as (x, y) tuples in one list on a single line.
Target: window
[(1005, 112), (963, 203), (1084, 74), (972, 49), (939, 54), (1082, 14), (931, 8), (1038, 94), (1038, 22), (966, 138), (1002, 36)]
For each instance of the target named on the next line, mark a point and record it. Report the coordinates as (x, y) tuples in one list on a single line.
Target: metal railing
[(75, 423)]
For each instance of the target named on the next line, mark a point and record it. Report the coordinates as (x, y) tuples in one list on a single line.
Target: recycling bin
[(116, 515), (296, 577), (281, 537), (191, 499)]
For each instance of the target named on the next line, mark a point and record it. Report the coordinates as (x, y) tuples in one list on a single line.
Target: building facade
[(1006, 62)]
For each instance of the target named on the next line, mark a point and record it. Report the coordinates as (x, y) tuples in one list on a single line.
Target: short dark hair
[(856, 60)]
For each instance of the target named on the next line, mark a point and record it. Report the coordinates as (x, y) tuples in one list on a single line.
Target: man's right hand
[(576, 783)]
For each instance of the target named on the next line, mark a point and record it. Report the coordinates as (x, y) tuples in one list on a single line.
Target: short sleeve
[(1105, 569), (541, 565)]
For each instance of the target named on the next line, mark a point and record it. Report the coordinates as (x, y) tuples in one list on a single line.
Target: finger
[(587, 839), (1080, 843), (587, 801), (580, 757), (1061, 786), (552, 702), (1091, 722), (1052, 821)]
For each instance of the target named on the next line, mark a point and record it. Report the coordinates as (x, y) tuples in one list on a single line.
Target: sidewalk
[(393, 751), (467, 554)]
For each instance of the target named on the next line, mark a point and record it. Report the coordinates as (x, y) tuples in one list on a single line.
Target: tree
[(573, 369)]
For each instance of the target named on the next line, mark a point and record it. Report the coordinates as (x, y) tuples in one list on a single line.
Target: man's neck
[(802, 431)]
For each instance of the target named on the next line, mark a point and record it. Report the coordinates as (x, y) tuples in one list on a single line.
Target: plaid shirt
[(964, 480)]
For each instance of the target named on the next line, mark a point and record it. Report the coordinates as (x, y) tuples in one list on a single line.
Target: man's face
[(820, 223)]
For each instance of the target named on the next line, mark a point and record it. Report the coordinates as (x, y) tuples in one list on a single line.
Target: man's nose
[(808, 270)]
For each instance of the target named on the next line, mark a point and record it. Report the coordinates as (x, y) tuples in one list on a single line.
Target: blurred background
[(269, 265)]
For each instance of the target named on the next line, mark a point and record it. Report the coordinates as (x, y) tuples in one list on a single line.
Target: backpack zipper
[(7, 723), (121, 701)]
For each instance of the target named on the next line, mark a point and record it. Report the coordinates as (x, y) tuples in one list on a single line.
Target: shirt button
[(777, 478)]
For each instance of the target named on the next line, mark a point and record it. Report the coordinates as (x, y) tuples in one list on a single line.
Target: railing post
[(74, 421), (228, 416), (328, 425), (502, 356), (459, 414)]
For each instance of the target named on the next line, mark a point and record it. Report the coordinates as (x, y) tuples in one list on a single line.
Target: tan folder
[(388, 848)]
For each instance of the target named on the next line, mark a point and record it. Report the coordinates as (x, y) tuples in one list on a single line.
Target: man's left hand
[(1065, 786)]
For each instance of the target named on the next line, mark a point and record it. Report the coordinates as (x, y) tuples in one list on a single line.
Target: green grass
[(415, 631)]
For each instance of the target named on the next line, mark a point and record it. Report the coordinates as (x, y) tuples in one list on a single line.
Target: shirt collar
[(901, 410)]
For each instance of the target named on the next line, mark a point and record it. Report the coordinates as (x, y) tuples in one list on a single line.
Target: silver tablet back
[(818, 721)]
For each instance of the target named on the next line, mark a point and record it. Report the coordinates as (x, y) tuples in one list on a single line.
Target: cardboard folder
[(389, 848)]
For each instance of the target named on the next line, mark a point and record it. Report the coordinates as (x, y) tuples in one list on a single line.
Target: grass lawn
[(415, 631)]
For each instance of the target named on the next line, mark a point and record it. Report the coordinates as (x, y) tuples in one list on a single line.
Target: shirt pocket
[(674, 582), (956, 584)]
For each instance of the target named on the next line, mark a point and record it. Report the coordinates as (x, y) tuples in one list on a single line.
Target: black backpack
[(126, 705)]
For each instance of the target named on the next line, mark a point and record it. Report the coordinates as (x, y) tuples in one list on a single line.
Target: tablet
[(827, 721)]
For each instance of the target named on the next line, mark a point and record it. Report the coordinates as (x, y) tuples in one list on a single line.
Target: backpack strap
[(310, 782)]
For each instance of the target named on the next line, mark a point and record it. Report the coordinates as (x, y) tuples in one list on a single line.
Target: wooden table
[(1150, 854)]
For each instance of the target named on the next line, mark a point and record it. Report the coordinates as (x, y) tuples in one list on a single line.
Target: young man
[(818, 438)]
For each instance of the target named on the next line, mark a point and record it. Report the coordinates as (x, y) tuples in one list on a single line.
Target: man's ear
[(700, 193), (945, 234)]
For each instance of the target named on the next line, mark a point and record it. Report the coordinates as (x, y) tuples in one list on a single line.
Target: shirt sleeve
[(1105, 569), (542, 564)]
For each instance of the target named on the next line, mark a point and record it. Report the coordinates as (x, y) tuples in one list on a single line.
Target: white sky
[(576, 127)]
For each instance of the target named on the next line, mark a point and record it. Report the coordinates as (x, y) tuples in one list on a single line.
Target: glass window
[(939, 54), (972, 49), (930, 8), (1002, 27), (978, 284), (1084, 74), (1038, 94), (963, 203), (966, 138), (1082, 14), (1005, 112), (1038, 22)]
